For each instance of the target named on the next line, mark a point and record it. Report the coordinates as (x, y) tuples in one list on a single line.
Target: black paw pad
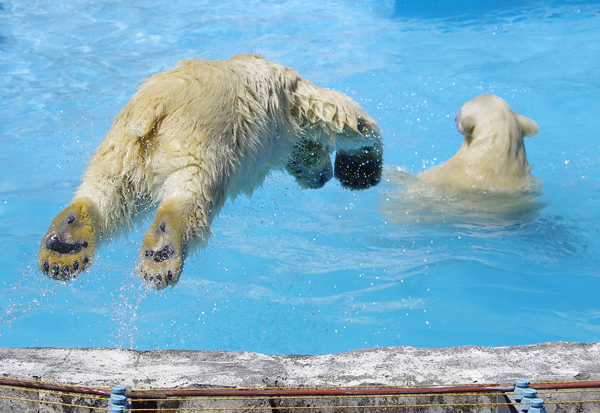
[(322, 177), (162, 254), (310, 164), (359, 169), (312, 179), (54, 243)]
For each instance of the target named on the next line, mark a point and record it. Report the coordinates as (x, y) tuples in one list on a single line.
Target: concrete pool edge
[(391, 366)]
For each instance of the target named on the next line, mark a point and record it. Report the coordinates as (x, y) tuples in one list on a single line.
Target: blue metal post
[(528, 396), (537, 406), (118, 399), (520, 386)]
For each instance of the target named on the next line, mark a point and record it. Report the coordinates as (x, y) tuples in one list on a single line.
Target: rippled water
[(303, 271)]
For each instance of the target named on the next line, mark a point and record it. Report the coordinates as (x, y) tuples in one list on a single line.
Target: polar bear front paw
[(161, 259), (69, 245), (310, 164), (359, 168)]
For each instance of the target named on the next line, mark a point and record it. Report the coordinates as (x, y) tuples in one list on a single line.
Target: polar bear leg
[(339, 123), (70, 243), (162, 255), (183, 219)]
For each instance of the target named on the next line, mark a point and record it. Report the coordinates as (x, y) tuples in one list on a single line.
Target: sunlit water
[(313, 271)]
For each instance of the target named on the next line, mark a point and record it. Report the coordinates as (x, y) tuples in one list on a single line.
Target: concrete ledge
[(392, 366)]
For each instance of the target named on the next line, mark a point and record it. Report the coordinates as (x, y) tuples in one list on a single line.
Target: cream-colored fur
[(409, 200), (196, 135), (492, 156), (487, 181)]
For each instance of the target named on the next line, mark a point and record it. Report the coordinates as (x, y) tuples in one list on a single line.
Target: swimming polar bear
[(488, 180), (196, 135), (492, 156)]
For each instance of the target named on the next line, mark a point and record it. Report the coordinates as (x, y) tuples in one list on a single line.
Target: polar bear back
[(492, 156), (221, 116)]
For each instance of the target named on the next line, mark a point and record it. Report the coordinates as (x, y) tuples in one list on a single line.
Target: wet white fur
[(208, 130), (492, 156), (488, 181)]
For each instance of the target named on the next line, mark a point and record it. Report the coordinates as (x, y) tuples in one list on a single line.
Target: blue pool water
[(303, 271)]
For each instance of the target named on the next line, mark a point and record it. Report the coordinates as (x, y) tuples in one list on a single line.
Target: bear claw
[(159, 268)]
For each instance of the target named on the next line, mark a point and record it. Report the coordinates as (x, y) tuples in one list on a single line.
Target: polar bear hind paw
[(161, 258), (160, 267), (69, 245)]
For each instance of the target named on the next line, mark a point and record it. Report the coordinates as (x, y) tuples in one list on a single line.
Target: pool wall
[(390, 366)]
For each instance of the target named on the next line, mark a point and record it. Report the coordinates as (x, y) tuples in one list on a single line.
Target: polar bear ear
[(465, 124), (528, 126)]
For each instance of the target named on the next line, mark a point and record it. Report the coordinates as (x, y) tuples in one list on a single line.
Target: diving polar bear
[(196, 135)]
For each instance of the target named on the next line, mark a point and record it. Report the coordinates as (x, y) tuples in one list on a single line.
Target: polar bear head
[(492, 117), (492, 156)]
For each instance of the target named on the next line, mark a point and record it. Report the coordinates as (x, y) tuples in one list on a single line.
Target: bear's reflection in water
[(410, 200)]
